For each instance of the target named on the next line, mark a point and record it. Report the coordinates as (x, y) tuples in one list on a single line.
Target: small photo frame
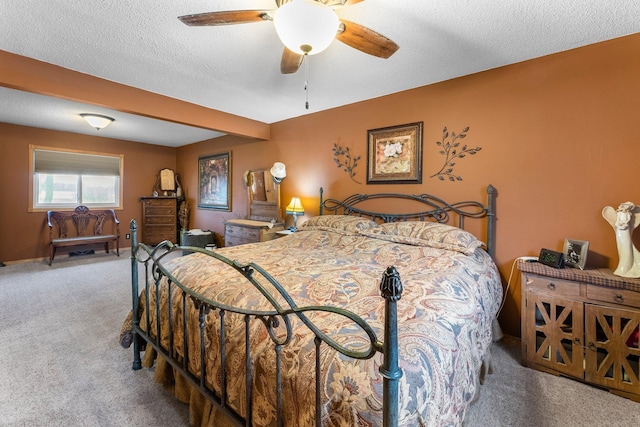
[(394, 155), (575, 253), (214, 181)]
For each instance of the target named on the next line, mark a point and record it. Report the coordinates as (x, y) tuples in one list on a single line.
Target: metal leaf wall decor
[(345, 160), (452, 151)]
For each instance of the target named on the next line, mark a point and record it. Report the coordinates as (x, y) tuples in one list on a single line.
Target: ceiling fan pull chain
[(306, 81)]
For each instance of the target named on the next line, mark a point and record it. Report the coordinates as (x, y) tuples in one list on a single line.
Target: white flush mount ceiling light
[(306, 27), (97, 121)]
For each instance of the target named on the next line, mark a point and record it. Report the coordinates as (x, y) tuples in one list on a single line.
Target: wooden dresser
[(582, 324), (159, 219), (242, 231)]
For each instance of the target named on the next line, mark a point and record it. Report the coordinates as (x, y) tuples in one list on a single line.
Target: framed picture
[(575, 253), (214, 181), (394, 155)]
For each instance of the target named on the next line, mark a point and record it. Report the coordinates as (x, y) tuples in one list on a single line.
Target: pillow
[(350, 224), (433, 234)]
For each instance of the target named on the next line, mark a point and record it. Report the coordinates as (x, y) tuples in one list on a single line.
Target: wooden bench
[(88, 226)]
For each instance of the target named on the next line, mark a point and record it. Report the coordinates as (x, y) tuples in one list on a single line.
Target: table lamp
[(295, 209)]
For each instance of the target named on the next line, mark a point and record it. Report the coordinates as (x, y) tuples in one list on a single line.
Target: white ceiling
[(30, 109), (235, 68)]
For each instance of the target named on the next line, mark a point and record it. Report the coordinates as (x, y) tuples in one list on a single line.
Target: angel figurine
[(624, 220)]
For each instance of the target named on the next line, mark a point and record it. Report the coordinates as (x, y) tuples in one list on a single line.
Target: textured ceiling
[(29, 109), (235, 68)]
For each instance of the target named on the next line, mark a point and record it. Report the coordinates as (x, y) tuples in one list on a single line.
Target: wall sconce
[(306, 27), (278, 172), (295, 209), (97, 121)]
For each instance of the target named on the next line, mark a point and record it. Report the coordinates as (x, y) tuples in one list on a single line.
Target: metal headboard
[(436, 209)]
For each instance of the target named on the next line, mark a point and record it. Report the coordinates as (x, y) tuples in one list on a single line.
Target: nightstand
[(283, 233), (242, 231), (582, 324)]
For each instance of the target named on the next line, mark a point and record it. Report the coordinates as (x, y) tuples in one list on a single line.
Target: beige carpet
[(61, 365), (60, 362), (518, 396)]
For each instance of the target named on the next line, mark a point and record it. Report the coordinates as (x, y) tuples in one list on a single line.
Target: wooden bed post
[(137, 362), (391, 290)]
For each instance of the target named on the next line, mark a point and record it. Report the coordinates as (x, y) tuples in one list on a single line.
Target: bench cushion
[(70, 241)]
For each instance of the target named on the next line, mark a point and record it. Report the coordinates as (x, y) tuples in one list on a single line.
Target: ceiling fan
[(350, 33)]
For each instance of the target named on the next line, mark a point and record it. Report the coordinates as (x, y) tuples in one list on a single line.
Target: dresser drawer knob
[(619, 298), (552, 286)]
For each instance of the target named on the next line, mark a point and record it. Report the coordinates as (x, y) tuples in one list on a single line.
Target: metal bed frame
[(439, 211), (279, 318)]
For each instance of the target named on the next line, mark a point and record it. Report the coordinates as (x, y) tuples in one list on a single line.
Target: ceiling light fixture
[(306, 27), (97, 121)]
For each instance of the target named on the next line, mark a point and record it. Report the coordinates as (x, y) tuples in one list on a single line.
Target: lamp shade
[(97, 121), (306, 26), (295, 207), (278, 171)]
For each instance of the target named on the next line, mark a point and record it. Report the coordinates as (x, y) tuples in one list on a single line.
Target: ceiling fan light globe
[(306, 26)]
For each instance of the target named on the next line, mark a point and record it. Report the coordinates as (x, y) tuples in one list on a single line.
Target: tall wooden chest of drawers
[(159, 219), (242, 231)]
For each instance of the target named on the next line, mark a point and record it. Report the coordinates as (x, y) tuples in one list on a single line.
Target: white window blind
[(63, 179), (66, 162)]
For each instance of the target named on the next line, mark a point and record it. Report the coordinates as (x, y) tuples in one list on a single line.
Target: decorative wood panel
[(555, 340), (612, 355)]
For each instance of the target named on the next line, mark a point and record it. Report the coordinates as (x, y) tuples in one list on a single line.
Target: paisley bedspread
[(451, 293)]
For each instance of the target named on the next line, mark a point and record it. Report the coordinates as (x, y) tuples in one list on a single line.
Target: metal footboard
[(277, 321)]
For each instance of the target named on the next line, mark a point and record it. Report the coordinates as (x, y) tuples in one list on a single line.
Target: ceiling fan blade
[(225, 18), (290, 62), (366, 40)]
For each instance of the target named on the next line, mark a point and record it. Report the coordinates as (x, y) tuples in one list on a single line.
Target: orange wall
[(557, 137), (25, 235), (245, 154)]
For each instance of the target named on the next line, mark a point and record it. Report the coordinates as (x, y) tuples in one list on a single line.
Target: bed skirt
[(202, 413)]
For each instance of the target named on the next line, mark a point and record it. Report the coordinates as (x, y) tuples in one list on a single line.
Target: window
[(65, 179)]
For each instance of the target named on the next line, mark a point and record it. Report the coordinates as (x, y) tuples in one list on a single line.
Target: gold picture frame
[(214, 181), (394, 154)]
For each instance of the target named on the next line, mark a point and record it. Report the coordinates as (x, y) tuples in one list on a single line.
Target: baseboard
[(46, 259)]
